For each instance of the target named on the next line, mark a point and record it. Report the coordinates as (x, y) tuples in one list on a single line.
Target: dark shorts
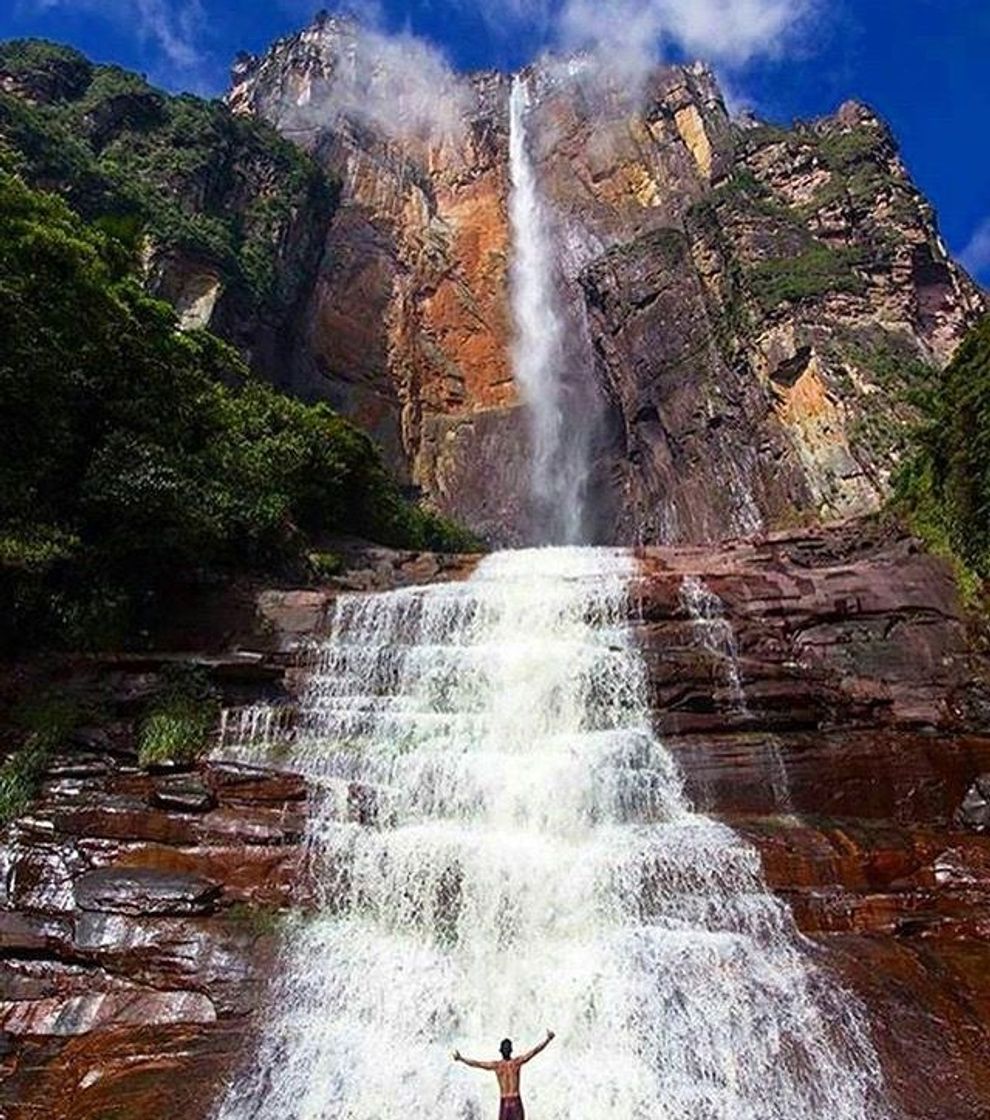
[(511, 1109)]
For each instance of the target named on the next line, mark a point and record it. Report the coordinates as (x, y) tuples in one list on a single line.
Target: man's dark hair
[(505, 1046)]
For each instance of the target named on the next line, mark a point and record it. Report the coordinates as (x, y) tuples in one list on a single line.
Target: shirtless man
[(507, 1072)]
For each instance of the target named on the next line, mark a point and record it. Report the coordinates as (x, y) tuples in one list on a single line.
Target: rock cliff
[(750, 304)]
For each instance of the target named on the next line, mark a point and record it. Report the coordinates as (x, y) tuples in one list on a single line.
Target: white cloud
[(400, 84), (630, 35), (174, 27), (975, 257)]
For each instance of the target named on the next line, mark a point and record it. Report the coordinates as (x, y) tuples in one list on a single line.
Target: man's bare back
[(507, 1071)]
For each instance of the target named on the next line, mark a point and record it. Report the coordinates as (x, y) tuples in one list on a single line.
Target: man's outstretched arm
[(536, 1049), (458, 1057)]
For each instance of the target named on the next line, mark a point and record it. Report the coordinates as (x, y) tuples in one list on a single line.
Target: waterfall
[(559, 467), (715, 634), (524, 857)]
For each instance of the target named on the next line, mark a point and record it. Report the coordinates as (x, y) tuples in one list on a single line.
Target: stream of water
[(559, 435), (530, 862)]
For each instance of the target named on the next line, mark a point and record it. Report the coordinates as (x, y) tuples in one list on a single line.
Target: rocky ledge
[(140, 916), (822, 690)]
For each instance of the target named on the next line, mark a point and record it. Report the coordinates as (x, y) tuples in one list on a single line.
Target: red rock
[(84, 1013), (145, 890), (184, 794), (843, 758), (232, 781)]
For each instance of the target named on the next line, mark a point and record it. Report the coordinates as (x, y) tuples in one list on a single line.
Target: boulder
[(974, 812)]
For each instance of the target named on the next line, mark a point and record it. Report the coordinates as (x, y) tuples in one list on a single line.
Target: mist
[(397, 84)]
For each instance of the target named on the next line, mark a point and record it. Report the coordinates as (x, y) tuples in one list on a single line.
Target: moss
[(259, 920), (324, 565), (816, 271)]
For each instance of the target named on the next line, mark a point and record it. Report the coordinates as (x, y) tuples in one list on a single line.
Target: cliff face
[(750, 305), (407, 325)]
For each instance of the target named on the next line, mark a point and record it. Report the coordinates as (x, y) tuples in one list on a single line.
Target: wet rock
[(82, 764), (241, 782), (974, 812), (289, 615), (134, 890), (183, 794), (83, 1013), (33, 933), (839, 753)]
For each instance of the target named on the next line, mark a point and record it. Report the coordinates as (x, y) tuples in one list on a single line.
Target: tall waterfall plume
[(501, 843), (559, 434)]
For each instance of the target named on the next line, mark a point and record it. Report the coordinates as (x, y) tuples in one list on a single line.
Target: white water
[(707, 612), (534, 864), (559, 467), (716, 635)]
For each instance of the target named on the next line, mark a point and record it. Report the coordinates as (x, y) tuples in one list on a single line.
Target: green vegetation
[(816, 271), (944, 488), (177, 730), (45, 726), (183, 170), (138, 456), (259, 920), (180, 720), (891, 361), (325, 565), (49, 68), (844, 149)]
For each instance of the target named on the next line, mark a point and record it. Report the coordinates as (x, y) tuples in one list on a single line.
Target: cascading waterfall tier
[(559, 467), (526, 858)]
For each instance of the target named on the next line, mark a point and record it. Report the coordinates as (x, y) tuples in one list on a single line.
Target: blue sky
[(923, 64)]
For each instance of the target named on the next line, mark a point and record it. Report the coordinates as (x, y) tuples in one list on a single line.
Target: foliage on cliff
[(945, 487), (136, 455), (183, 170)]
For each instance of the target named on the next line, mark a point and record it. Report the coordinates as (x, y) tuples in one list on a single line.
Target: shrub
[(944, 487), (324, 565), (179, 723), (818, 270), (46, 69), (178, 730), (46, 723), (196, 177)]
